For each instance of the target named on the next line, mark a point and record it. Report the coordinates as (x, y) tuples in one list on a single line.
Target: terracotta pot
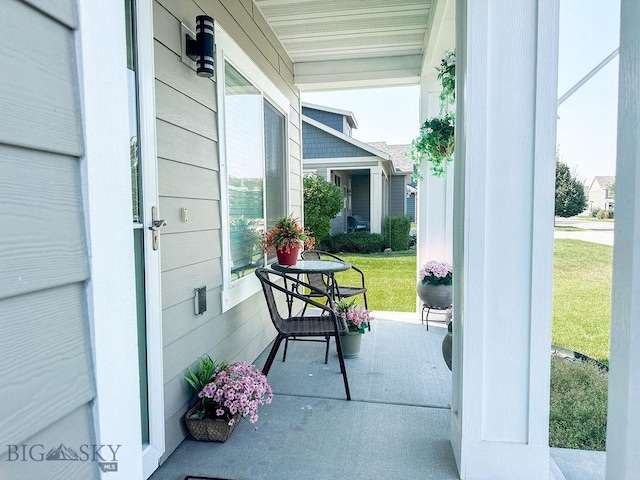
[(290, 258), (435, 296)]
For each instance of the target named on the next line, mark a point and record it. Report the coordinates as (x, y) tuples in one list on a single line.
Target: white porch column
[(375, 200), (434, 208), (623, 428), (507, 56)]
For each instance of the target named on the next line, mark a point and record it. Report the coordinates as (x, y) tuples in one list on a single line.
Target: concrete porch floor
[(396, 426)]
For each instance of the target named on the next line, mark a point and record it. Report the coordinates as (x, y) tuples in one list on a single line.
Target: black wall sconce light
[(201, 49)]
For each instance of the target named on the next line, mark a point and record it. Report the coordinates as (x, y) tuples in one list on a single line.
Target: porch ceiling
[(355, 43)]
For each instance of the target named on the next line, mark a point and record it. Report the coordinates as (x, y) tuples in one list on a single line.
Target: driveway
[(600, 231)]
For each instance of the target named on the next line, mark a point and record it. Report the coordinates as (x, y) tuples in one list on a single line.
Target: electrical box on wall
[(200, 300)]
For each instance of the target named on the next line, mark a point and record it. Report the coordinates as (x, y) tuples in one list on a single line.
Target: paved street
[(591, 231)]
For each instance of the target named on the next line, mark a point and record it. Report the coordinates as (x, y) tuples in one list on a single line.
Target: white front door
[(147, 222)]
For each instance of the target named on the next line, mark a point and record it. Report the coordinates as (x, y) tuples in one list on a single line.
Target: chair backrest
[(315, 279), (352, 223), (293, 286), (267, 288)]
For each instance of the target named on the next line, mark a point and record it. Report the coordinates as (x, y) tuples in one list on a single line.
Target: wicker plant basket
[(209, 429)]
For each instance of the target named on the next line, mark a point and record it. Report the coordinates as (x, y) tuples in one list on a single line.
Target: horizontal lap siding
[(397, 194), (189, 178), (44, 329)]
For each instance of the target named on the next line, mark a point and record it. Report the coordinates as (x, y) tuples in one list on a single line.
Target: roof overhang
[(341, 44)]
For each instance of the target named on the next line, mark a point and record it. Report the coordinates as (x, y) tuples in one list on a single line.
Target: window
[(253, 166)]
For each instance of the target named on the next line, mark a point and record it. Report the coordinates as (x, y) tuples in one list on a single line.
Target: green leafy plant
[(322, 202), (396, 231), (358, 242), (204, 372), (447, 77), (436, 141), (570, 197)]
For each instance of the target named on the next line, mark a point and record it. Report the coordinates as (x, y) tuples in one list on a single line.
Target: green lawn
[(581, 291), (391, 279), (581, 318), (566, 228), (582, 297)]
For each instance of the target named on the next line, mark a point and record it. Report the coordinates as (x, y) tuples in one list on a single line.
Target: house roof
[(604, 180), (350, 116), (347, 138), (399, 156)]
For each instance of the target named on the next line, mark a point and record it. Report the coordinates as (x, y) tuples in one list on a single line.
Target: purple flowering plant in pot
[(434, 284), (226, 393)]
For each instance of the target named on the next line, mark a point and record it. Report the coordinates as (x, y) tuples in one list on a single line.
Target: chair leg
[(326, 353), (286, 345), (343, 369), (272, 355)]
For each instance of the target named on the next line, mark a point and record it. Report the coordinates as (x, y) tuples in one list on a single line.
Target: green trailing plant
[(436, 141), (447, 77)]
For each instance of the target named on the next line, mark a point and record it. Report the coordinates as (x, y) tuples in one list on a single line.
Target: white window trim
[(233, 293)]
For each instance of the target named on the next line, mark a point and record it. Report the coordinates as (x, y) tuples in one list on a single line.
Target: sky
[(589, 32)]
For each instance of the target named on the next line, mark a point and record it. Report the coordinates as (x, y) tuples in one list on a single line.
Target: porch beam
[(507, 58), (623, 420), (357, 73)]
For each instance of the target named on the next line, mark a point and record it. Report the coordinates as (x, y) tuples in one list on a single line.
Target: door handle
[(156, 225)]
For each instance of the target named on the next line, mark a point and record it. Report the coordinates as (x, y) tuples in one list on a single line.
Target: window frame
[(236, 291)]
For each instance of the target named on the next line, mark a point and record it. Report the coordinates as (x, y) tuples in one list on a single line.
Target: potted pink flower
[(287, 238), (226, 393), (357, 321), (434, 284)]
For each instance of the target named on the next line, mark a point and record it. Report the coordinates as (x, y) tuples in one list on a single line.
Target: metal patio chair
[(340, 291), (322, 325)]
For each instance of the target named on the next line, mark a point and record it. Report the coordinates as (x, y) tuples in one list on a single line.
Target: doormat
[(200, 477)]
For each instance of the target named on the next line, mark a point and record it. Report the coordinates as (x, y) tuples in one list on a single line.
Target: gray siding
[(360, 188), (411, 207), (397, 195), (332, 120), (317, 143), (44, 331), (189, 177)]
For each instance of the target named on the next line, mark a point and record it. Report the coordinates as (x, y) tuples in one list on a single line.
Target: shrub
[(578, 407), (595, 212), (322, 202), (396, 231), (602, 214), (359, 242)]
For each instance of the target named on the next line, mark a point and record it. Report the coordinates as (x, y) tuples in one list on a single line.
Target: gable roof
[(605, 180), (399, 156), (346, 113), (347, 138)]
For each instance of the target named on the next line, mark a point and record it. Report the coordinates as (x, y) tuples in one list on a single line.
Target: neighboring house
[(599, 194), (372, 184), (403, 191)]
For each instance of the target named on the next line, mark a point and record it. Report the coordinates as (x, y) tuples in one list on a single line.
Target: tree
[(322, 202), (611, 186), (570, 197)]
